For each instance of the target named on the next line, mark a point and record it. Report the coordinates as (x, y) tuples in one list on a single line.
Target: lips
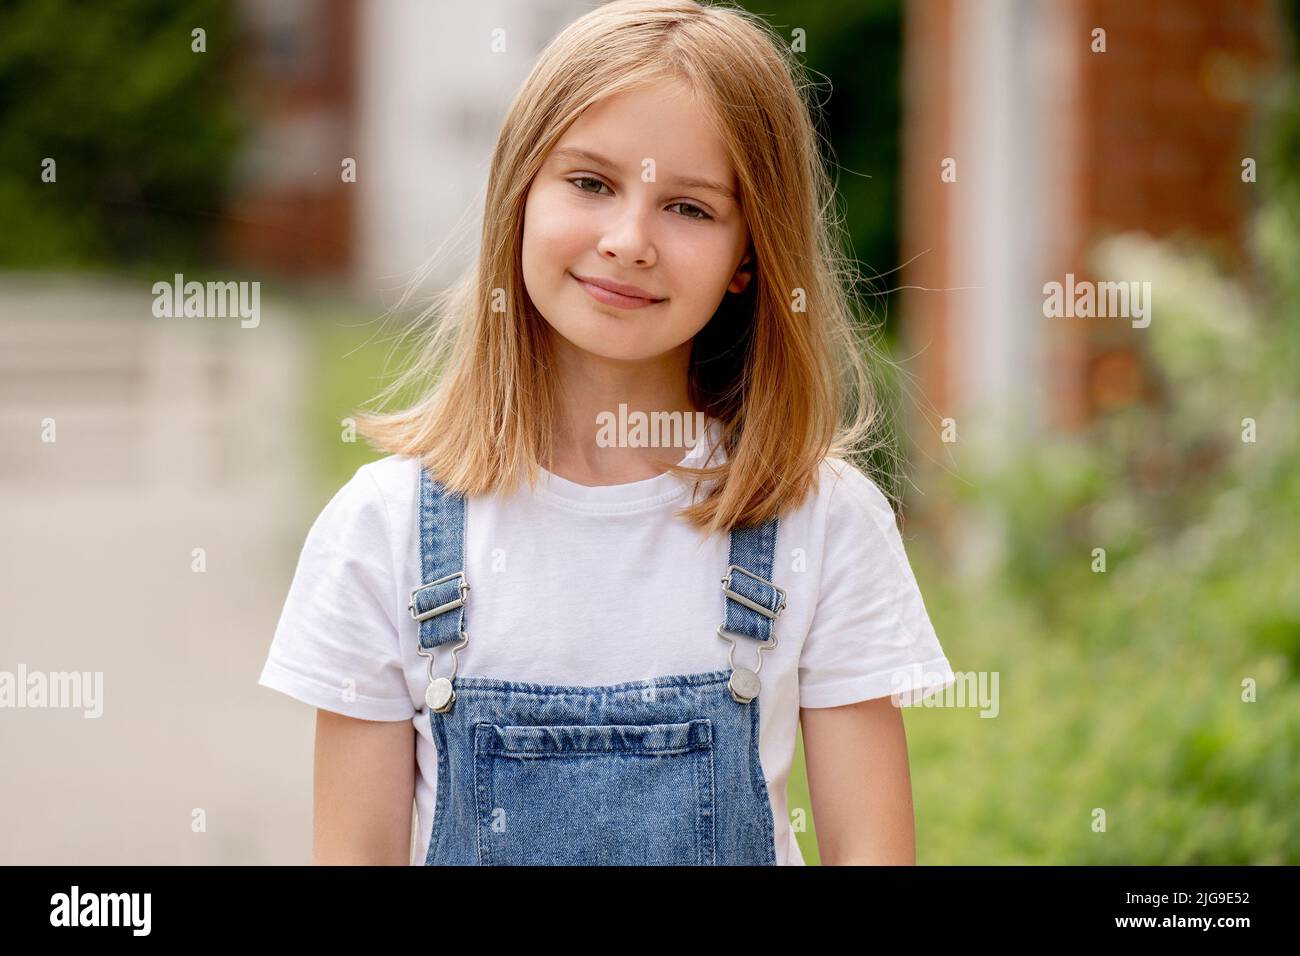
[(616, 293)]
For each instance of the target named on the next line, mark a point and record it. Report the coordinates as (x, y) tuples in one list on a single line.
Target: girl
[(590, 667)]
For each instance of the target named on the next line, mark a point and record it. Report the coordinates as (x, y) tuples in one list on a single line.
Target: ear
[(744, 273)]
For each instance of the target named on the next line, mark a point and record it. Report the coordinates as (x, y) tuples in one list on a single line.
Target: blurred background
[(1102, 514)]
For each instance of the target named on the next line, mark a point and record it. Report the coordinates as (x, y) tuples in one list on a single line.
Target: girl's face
[(639, 192)]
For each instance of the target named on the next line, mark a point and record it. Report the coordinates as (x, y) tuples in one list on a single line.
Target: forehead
[(663, 122)]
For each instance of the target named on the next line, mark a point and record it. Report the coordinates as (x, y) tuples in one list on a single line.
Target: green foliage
[(142, 129), (355, 354), (1123, 690)]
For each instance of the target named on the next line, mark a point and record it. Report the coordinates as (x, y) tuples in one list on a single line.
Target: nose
[(627, 238)]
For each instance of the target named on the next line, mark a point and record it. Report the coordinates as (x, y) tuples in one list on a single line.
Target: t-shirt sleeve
[(870, 635), (336, 645)]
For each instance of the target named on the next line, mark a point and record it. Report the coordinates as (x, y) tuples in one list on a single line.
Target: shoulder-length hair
[(782, 366)]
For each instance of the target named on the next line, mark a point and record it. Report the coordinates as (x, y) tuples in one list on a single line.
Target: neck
[(593, 389)]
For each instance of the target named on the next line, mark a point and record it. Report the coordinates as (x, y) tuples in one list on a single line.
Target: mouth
[(618, 299)]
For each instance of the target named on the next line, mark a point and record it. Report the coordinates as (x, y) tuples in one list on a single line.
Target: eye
[(578, 182), (586, 179), (702, 214)]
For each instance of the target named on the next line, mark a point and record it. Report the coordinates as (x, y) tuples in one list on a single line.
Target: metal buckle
[(730, 638), (744, 684), (753, 605), (450, 679), (441, 608)]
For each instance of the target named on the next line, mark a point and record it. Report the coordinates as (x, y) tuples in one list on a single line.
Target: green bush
[(142, 129), (1124, 690)]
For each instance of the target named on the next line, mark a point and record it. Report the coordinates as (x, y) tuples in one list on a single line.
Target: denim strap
[(442, 554), (754, 550)]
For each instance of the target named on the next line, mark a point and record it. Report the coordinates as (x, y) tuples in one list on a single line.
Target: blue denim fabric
[(654, 772)]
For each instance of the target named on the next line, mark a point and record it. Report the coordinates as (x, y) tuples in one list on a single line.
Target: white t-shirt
[(568, 587)]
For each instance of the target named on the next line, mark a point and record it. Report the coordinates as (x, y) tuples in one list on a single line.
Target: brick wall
[(1153, 132), (291, 213)]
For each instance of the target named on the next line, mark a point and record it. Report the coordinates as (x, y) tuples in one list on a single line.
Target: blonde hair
[(782, 366)]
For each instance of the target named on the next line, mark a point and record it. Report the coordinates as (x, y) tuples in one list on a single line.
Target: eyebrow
[(691, 182)]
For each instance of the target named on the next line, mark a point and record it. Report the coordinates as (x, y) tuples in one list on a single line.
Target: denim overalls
[(657, 772)]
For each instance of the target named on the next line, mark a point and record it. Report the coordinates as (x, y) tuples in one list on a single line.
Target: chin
[(614, 349)]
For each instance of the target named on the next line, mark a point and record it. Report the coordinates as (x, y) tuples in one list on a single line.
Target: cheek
[(551, 226), (705, 264), (540, 246)]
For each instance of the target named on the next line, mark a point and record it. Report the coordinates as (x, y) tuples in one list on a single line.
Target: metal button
[(440, 695), (744, 685)]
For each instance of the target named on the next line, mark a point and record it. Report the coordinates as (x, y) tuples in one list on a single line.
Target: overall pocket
[(596, 795)]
